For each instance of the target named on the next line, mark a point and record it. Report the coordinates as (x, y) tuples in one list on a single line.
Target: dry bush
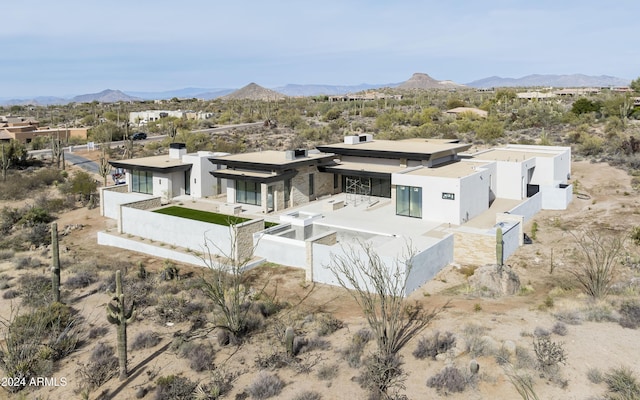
[(549, 354), (559, 329), (6, 254), (328, 371), (174, 388), (449, 380), (327, 324), (569, 317), (35, 290), (80, 280), (622, 385), (475, 344), (595, 376), (381, 374), (353, 353), (433, 345), (171, 308), (630, 314), (102, 366), (200, 355), (26, 263), (10, 294), (145, 340), (307, 395), (265, 385), (97, 332)]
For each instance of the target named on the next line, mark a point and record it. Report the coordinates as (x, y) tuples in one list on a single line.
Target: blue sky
[(70, 47)]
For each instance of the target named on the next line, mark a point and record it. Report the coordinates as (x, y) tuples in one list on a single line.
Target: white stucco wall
[(282, 250), (110, 202), (474, 195), (556, 198), (176, 231), (529, 207), (429, 262), (513, 178), (203, 184), (168, 185), (434, 208)]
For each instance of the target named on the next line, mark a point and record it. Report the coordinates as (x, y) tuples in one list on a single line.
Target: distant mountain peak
[(420, 80), (106, 96), (549, 80), (253, 91)]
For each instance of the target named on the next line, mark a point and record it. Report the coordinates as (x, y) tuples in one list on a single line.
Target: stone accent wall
[(278, 193), (324, 183), (473, 248), (117, 188), (244, 238), (300, 188), (145, 204)]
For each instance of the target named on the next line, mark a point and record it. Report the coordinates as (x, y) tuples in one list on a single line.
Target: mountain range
[(416, 82)]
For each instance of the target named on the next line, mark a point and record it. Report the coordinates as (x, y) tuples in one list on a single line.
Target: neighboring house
[(25, 130), (535, 95), (472, 110), (140, 118)]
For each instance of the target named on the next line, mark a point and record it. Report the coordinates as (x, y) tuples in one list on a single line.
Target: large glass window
[(377, 187), (409, 201), (142, 182), (248, 193)]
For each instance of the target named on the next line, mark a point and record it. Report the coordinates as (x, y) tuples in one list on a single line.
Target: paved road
[(88, 165)]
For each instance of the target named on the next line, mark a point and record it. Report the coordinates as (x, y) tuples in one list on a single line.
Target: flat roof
[(514, 155), (457, 169), (269, 159), (154, 163), (420, 149), (347, 166)]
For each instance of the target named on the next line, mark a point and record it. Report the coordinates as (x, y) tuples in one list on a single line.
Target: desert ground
[(484, 328)]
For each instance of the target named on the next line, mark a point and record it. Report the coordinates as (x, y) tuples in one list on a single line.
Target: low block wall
[(556, 198), (112, 197), (528, 208), (281, 250), (479, 247)]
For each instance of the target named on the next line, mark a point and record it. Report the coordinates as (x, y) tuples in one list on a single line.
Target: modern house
[(431, 193)]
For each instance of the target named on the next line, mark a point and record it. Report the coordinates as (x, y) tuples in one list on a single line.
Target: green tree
[(106, 133), (584, 105), (635, 85), (83, 184)]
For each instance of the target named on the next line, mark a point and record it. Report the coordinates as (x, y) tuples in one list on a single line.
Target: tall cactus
[(119, 316), (499, 248), (55, 263)]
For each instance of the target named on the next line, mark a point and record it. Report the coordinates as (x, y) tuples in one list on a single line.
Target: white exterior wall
[(175, 231), (426, 264), (168, 185), (434, 208), (474, 195), (231, 190), (202, 183), (528, 208), (512, 178), (282, 250), (556, 198), (429, 262), (110, 201)]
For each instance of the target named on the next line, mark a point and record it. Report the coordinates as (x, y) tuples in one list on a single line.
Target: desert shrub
[(177, 309), (38, 234), (474, 340), (145, 340), (265, 385), (35, 290), (6, 254), (449, 380), (569, 317), (381, 373), (200, 355), (34, 340), (327, 324), (548, 354), (5, 282), (540, 331), (327, 372), (503, 356), (353, 353), (174, 388), (630, 314), (433, 345), (10, 294), (26, 263), (219, 384), (97, 331), (600, 313), (524, 359), (559, 329), (81, 279), (622, 384), (595, 376), (102, 366), (307, 345), (273, 360), (307, 395)]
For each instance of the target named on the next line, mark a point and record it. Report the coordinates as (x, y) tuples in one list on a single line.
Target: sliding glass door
[(409, 201)]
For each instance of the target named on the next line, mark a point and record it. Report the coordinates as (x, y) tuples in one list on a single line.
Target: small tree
[(596, 258), (226, 284), (379, 290)]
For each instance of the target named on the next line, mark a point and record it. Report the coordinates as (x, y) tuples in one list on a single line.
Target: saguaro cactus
[(118, 315), (55, 263), (289, 336), (499, 248)]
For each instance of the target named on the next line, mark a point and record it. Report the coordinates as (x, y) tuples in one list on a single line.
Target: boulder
[(495, 281)]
